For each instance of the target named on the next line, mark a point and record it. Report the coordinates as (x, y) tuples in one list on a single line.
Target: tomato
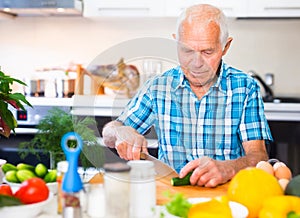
[(5, 189), (32, 191)]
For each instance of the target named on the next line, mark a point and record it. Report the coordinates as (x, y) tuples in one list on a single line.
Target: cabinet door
[(231, 8), (121, 8), (273, 8)]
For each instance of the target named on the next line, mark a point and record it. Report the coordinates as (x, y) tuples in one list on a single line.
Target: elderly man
[(208, 116)]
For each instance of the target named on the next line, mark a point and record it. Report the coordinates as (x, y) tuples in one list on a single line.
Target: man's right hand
[(127, 141)]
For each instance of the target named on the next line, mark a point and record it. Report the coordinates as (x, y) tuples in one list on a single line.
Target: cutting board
[(164, 184)]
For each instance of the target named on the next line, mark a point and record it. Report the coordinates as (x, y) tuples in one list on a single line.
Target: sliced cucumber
[(176, 181)]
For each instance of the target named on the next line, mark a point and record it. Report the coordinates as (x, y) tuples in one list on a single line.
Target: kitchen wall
[(266, 46)]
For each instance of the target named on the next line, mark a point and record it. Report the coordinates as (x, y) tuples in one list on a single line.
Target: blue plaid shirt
[(230, 113)]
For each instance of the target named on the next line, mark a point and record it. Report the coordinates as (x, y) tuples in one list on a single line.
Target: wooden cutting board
[(164, 184)]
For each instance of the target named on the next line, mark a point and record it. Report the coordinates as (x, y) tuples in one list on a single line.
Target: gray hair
[(217, 16)]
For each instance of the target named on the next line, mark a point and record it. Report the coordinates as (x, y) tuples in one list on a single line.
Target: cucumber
[(176, 181), (51, 176), (23, 175), (23, 166), (41, 170), (7, 167), (11, 176)]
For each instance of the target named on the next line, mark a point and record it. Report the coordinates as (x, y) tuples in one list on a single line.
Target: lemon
[(251, 187)]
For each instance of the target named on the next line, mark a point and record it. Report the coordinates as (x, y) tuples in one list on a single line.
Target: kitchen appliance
[(41, 7)]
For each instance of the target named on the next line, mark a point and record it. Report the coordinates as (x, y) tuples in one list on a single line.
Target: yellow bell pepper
[(282, 206)]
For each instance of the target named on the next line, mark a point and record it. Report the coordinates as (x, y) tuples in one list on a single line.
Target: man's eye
[(208, 52)]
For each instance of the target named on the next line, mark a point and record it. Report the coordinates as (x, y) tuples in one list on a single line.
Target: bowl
[(51, 185), (27, 210), (238, 210)]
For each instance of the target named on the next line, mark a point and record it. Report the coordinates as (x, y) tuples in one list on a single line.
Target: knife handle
[(143, 156)]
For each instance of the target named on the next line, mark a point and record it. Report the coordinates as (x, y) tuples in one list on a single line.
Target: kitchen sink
[(279, 99)]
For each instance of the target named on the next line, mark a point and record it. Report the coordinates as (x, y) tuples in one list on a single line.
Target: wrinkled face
[(200, 52)]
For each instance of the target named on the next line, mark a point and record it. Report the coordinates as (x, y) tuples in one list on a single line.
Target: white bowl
[(238, 210), (51, 185), (26, 210)]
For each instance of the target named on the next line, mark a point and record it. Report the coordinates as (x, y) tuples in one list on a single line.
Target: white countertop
[(108, 105)]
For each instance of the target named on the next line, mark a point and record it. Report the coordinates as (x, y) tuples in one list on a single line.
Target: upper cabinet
[(172, 8), (121, 8), (273, 8), (231, 8)]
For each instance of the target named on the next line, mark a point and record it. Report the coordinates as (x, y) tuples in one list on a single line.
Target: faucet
[(268, 97)]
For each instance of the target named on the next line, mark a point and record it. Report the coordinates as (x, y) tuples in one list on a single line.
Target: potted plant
[(50, 131), (8, 122)]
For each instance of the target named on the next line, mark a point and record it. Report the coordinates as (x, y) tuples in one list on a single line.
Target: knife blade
[(161, 169)]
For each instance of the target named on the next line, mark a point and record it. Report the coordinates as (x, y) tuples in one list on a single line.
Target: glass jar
[(142, 189), (116, 185), (62, 168)]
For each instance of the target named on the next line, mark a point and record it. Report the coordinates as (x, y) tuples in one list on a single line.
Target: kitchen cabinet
[(119, 8), (231, 8), (272, 8), (172, 8)]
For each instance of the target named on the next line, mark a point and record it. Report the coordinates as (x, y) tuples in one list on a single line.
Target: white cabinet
[(273, 8), (121, 8), (172, 8), (231, 8)]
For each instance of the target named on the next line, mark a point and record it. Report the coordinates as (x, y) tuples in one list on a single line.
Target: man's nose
[(198, 59)]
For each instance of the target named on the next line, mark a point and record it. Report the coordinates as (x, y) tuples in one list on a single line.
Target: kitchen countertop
[(108, 105)]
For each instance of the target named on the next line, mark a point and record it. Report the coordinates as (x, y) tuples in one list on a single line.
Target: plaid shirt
[(230, 113)]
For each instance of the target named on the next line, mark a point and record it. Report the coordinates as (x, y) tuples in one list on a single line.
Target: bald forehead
[(202, 14), (200, 17)]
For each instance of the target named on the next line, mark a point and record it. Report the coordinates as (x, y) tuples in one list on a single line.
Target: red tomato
[(32, 191), (5, 189)]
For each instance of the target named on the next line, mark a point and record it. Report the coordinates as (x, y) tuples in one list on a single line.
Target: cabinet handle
[(281, 8)]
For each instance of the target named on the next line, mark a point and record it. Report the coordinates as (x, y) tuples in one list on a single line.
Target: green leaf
[(8, 122)]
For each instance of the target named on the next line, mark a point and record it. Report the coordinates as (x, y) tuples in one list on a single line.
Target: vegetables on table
[(178, 205), (23, 175), (41, 170), (23, 166), (5, 189), (11, 176), (283, 206), (50, 176), (176, 181), (32, 190), (7, 167), (23, 171)]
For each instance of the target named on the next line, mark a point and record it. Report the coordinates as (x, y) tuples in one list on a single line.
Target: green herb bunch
[(7, 119), (51, 130)]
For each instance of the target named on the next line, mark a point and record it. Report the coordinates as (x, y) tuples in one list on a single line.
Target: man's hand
[(208, 172), (127, 141)]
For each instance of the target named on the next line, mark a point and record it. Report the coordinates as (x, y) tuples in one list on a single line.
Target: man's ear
[(228, 43)]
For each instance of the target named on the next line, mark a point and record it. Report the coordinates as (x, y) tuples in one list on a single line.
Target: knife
[(161, 169)]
